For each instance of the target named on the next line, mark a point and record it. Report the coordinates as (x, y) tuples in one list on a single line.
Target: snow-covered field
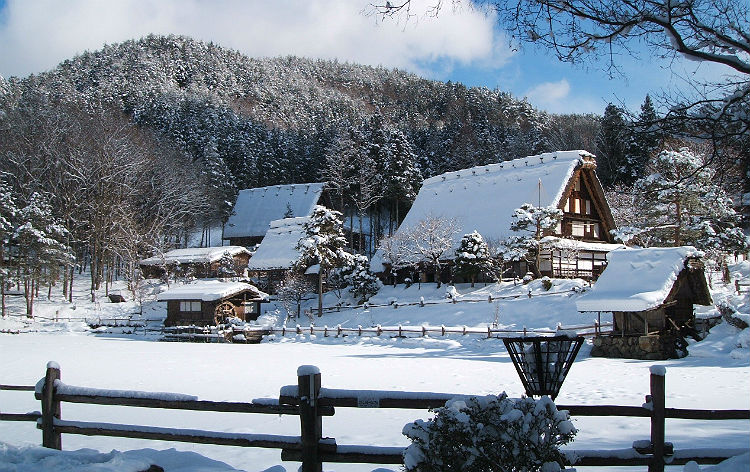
[(715, 375)]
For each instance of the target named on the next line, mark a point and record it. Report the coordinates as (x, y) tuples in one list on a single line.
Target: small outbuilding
[(277, 253), (211, 302), (201, 262), (650, 293)]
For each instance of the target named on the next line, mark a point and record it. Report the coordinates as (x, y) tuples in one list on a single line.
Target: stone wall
[(653, 347)]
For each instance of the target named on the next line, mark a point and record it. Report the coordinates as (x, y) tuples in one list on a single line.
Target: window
[(578, 229), (576, 205), (190, 306), (588, 207)]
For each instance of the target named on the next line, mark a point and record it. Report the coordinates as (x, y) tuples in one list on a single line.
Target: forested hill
[(272, 120)]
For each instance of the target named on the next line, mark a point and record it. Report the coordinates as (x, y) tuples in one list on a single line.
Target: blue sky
[(465, 46)]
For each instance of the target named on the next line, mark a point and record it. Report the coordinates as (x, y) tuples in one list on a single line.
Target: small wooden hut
[(211, 302), (650, 293), (202, 262)]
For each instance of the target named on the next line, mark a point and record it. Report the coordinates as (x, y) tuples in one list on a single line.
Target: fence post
[(311, 425), (657, 418), (50, 408)]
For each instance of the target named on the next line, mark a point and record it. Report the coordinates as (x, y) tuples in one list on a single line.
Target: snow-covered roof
[(257, 207), (195, 255), (484, 198), (636, 279), (565, 243), (209, 290), (277, 250)]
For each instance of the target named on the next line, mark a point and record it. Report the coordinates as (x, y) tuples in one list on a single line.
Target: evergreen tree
[(227, 266), (473, 257), (8, 211), (323, 245), (678, 203), (531, 223), (363, 282), (221, 191), (41, 247), (612, 145), (403, 178), (645, 141)]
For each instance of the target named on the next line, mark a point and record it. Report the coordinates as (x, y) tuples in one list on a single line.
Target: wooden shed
[(650, 293), (211, 302), (202, 262)]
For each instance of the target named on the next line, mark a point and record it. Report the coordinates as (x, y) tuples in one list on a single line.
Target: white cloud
[(37, 34), (548, 93)]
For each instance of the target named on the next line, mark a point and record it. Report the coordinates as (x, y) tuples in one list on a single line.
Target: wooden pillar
[(657, 418), (311, 425), (50, 408)]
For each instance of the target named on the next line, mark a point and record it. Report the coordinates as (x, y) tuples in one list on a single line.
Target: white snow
[(257, 207), (636, 279), (64, 389), (278, 248), (715, 375), (209, 290), (195, 255), (659, 370)]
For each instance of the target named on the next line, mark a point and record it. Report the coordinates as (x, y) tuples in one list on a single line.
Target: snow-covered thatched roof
[(210, 290), (484, 198), (637, 279), (257, 207), (193, 255), (278, 248)]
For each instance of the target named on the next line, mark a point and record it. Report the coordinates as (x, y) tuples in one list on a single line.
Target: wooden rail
[(311, 402)]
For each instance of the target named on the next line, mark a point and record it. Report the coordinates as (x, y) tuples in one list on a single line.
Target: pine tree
[(531, 222), (227, 266), (363, 282), (473, 257), (323, 244), (612, 143), (8, 211), (679, 203), (403, 178), (41, 244), (644, 144)]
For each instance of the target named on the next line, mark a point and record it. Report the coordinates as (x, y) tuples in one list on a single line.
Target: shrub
[(546, 283), (492, 433)]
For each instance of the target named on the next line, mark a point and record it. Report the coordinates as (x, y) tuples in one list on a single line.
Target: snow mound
[(40, 459)]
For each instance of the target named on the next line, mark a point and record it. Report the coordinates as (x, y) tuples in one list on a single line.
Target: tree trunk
[(437, 273), (2, 294), (70, 289), (2, 279), (320, 290), (679, 223)]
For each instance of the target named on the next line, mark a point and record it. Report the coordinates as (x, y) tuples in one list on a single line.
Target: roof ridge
[(519, 163)]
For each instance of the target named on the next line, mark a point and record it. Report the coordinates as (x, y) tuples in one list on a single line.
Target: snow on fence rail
[(425, 330), (490, 298), (311, 402)]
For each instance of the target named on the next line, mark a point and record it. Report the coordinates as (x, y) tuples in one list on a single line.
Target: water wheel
[(223, 312)]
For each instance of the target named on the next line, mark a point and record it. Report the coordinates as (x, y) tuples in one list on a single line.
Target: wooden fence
[(310, 402), (254, 334)]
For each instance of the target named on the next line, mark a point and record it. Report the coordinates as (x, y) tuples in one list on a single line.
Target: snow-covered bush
[(546, 283), (473, 257), (364, 283), (492, 433)]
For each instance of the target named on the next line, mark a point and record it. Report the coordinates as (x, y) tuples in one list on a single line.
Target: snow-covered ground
[(716, 374)]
